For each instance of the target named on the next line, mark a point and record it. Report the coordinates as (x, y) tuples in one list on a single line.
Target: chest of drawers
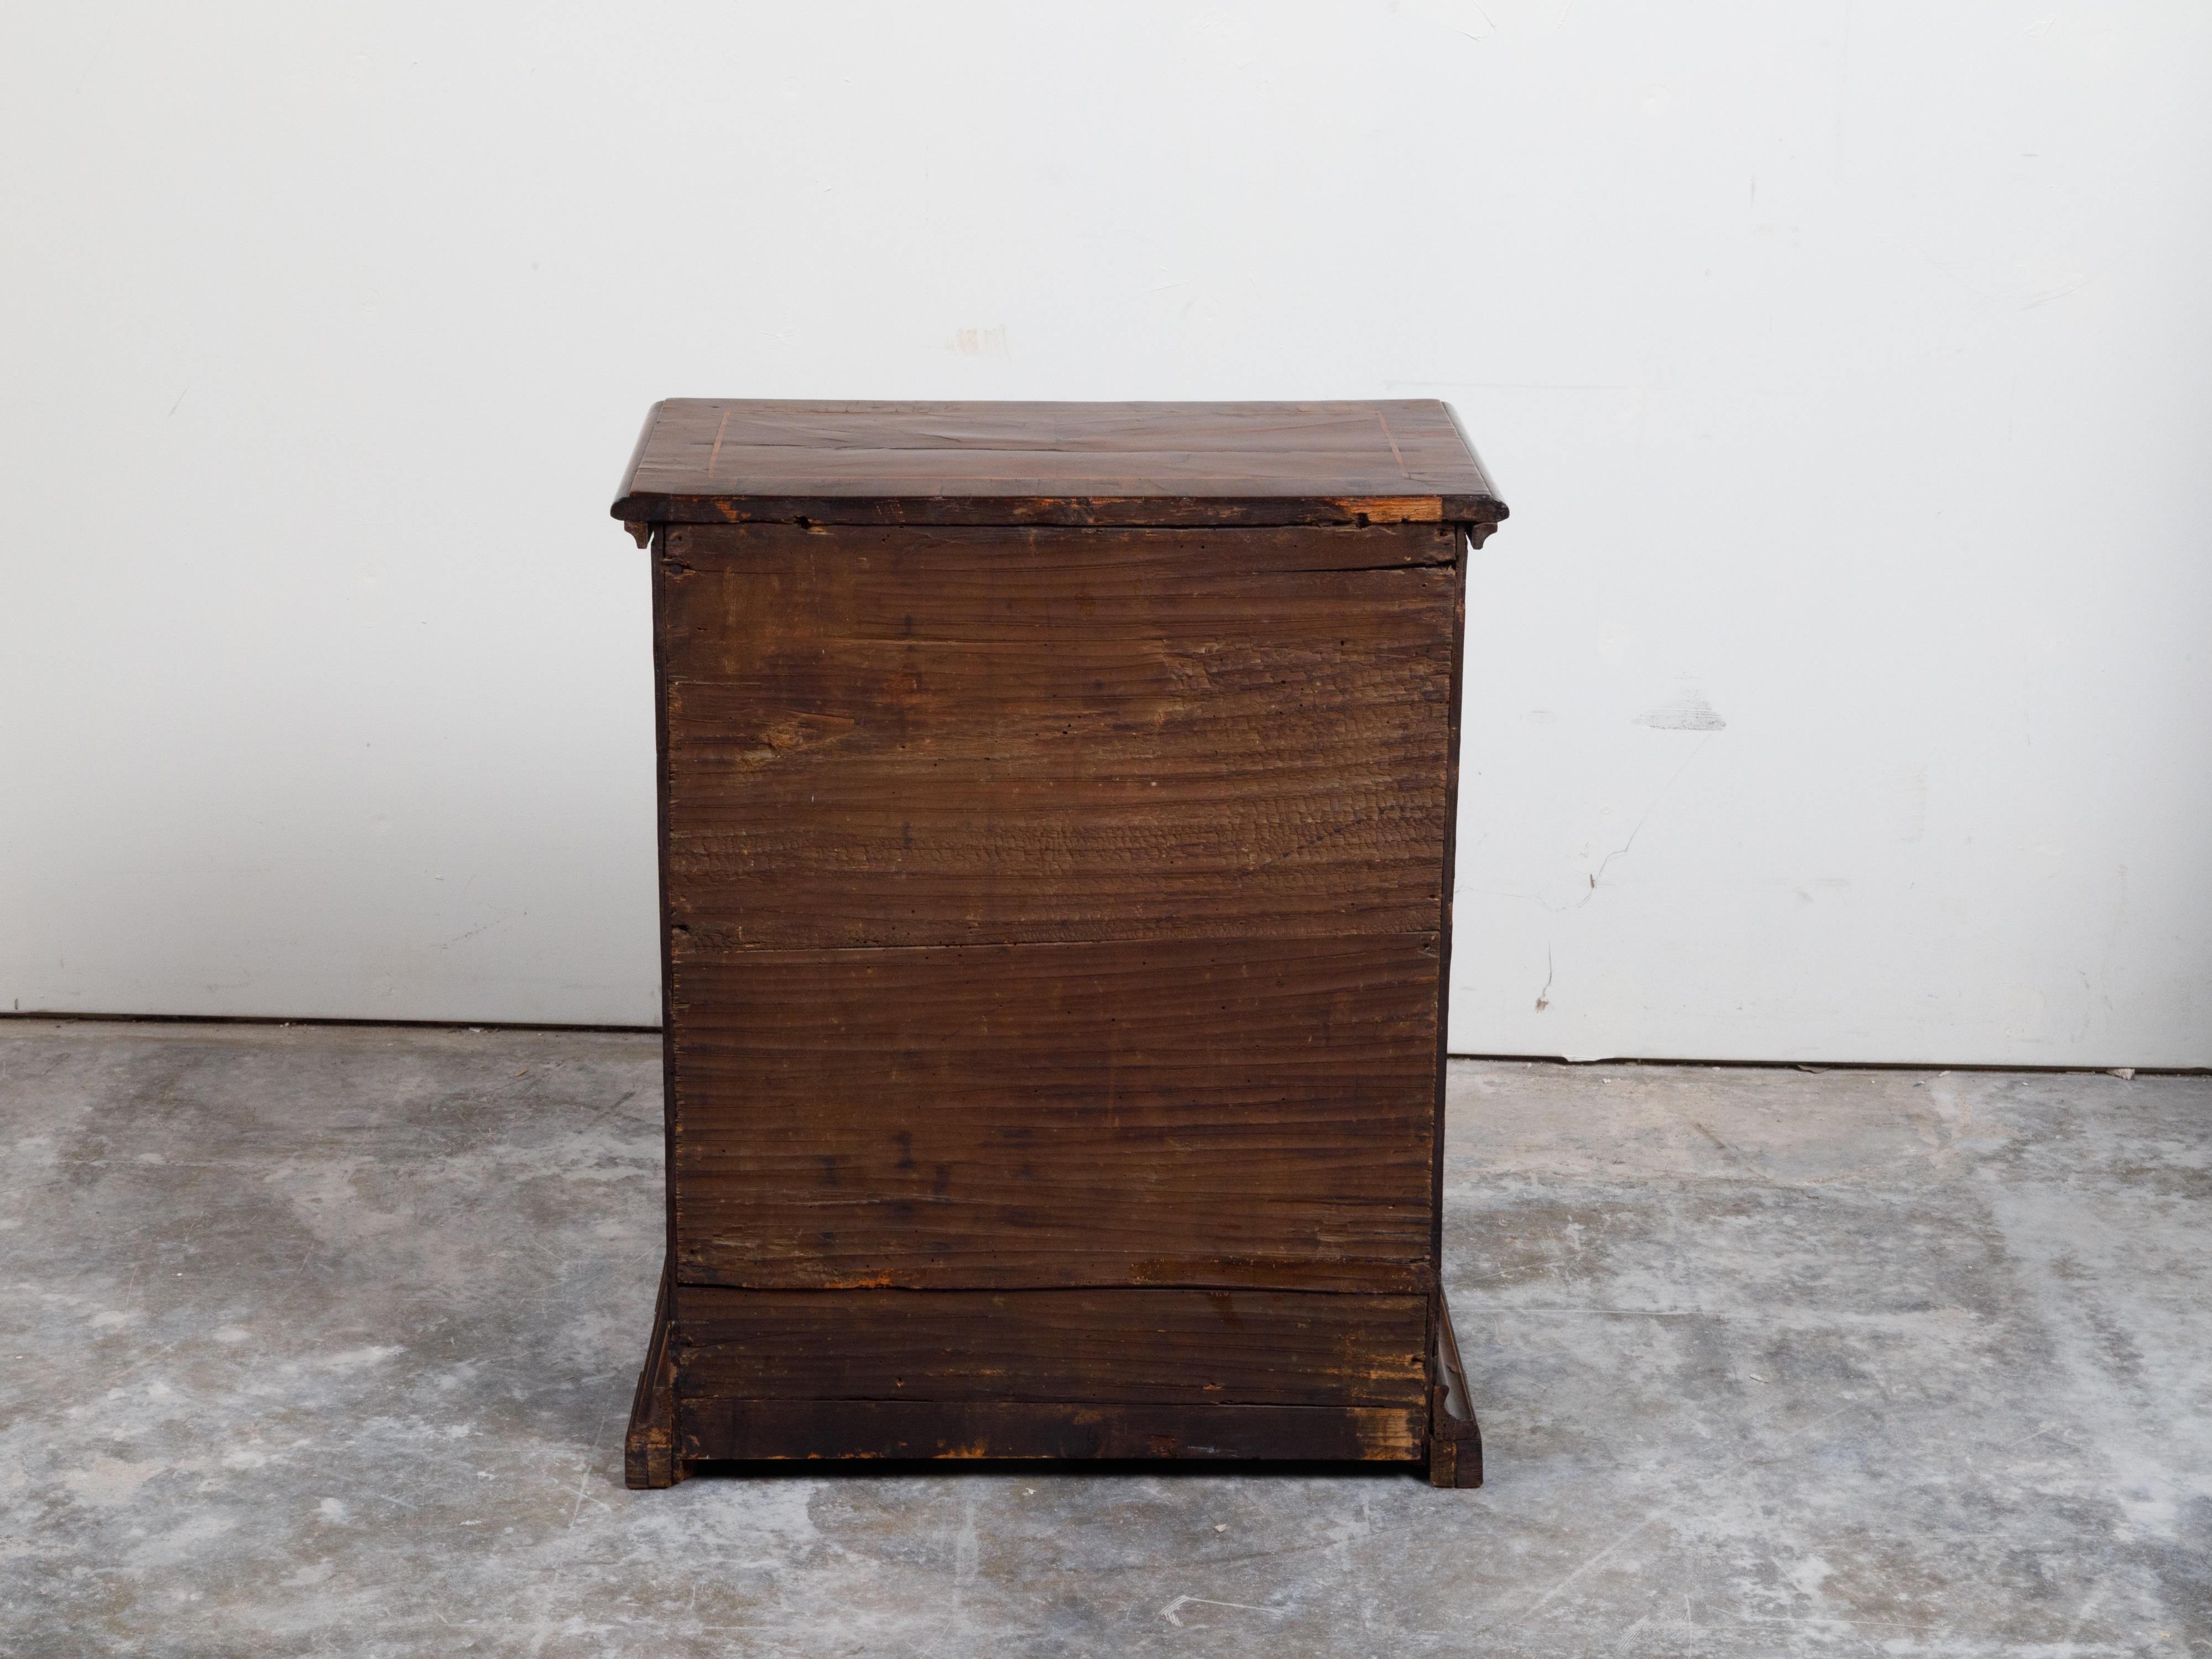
[(1056, 807)]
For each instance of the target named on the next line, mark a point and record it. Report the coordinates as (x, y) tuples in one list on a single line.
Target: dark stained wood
[(648, 1447), (1455, 1438), (1250, 1112), (1056, 841), (971, 554), (1127, 1347), (661, 679), (714, 460), (915, 738), (770, 1430), (1446, 883)]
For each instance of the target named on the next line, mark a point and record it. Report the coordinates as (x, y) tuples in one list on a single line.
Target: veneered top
[(708, 460)]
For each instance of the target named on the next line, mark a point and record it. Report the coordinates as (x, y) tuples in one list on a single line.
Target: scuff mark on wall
[(1689, 712), (981, 342)]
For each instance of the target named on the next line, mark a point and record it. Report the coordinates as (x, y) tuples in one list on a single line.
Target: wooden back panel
[(1055, 908)]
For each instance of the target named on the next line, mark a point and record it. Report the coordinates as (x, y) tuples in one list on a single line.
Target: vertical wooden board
[(1445, 887)]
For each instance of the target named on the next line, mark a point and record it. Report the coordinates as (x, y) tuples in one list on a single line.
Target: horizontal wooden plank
[(1215, 1113), (1129, 463), (1220, 1347), (943, 739), (718, 1427), (971, 553), (1476, 516)]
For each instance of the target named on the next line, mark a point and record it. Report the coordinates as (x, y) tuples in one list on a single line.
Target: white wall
[(1838, 688)]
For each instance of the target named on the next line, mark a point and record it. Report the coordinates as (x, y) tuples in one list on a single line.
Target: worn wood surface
[(1182, 1347), (648, 1445), (1204, 774), (1245, 1112), (1454, 1437), (718, 460), (718, 1427), (946, 737), (1445, 887), (1056, 830)]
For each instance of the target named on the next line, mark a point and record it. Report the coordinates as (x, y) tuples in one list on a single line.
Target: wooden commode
[(1056, 846)]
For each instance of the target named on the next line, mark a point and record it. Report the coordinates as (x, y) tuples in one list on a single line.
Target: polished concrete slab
[(321, 1340)]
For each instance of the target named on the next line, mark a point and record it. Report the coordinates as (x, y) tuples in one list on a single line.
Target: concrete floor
[(321, 1341)]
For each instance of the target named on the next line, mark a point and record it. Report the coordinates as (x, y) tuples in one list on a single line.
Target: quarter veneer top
[(706, 460)]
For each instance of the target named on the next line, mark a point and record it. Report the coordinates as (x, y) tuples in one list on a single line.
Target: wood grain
[(1184, 1347), (1056, 859), (711, 460), (648, 1447), (718, 1427), (1454, 1437), (928, 737), (1218, 1113)]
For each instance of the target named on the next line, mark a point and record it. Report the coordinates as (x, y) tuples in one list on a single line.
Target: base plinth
[(678, 1419)]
